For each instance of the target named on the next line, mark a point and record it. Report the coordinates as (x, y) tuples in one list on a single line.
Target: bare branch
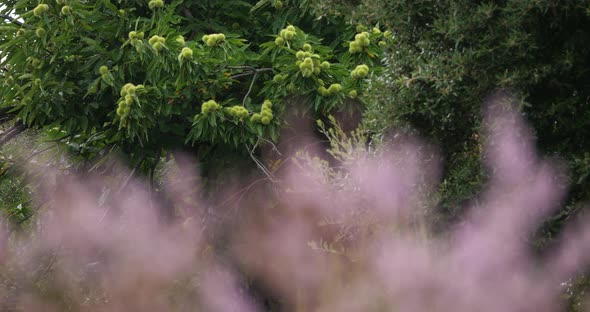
[(249, 89), (11, 19), (251, 70), (12, 132), (260, 165)]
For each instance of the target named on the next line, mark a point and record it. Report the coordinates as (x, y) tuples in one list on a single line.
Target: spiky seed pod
[(66, 10), (278, 78), (40, 9), (129, 99), (334, 88), (354, 47), (40, 32), (158, 46), (186, 53), (289, 35)]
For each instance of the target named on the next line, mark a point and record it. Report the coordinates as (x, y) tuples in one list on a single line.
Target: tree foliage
[(146, 78), (449, 56)]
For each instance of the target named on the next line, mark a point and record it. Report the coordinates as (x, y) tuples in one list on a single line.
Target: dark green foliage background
[(451, 55)]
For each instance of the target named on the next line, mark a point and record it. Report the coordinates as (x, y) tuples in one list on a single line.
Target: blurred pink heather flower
[(361, 244)]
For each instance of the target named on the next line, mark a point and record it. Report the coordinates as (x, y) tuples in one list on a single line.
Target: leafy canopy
[(146, 77)]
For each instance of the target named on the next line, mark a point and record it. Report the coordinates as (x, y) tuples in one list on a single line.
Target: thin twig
[(251, 70), (242, 75), (240, 191), (274, 147), (12, 132), (11, 19), (123, 186), (260, 165), (249, 89)]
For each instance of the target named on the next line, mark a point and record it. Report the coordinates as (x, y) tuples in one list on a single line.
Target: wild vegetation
[(213, 105)]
